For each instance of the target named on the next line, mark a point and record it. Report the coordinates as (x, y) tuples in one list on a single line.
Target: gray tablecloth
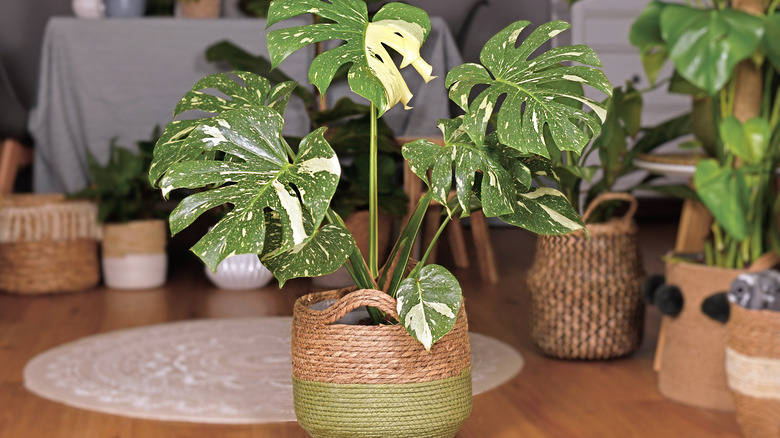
[(102, 79)]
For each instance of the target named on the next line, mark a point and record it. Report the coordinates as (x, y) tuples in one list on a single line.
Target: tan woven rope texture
[(200, 8), (753, 367), (136, 237), (338, 353), (585, 293), (47, 245)]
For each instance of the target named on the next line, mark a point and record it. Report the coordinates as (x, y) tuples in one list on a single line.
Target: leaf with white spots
[(546, 211), (257, 178), (253, 91), (372, 73), (485, 169), (321, 253), (428, 305), (534, 99)]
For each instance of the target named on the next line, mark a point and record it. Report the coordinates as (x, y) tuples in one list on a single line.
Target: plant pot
[(752, 370), (367, 380), (47, 244), (134, 254), (691, 369), (240, 272), (199, 8), (125, 8), (585, 293), (357, 224)]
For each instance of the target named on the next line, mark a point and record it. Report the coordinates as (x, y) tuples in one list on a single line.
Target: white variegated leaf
[(258, 178), (534, 94), (428, 305), (546, 211), (373, 73)]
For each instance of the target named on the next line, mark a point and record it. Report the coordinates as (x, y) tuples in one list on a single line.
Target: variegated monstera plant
[(280, 197)]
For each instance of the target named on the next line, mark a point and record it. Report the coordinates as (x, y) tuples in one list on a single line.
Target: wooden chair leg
[(13, 155), (484, 247), (430, 227), (458, 244)]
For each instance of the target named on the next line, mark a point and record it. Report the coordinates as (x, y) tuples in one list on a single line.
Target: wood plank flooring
[(549, 398)]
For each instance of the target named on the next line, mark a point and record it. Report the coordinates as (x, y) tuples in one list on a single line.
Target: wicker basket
[(692, 354), (47, 244), (200, 8), (753, 368), (585, 293), (375, 381)]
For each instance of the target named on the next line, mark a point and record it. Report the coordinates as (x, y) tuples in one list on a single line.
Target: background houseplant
[(133, 245), (281, 198), (727, 53)]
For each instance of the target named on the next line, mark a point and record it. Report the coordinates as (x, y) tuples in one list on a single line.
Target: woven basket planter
[(375, 381), (693, 352), (134, 255), (753, 370), (200, 8), (47, 244), (585, 293)]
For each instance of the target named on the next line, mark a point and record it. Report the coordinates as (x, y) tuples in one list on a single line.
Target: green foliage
[(280, 198), (533, 89), (121, 187)]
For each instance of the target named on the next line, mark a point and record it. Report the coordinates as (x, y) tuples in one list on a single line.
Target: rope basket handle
[(353, 300), (605, 197)]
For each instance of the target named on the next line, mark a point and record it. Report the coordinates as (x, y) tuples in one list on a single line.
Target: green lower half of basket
[(435, 409)]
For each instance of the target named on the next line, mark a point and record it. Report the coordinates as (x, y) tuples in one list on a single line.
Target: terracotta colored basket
[(753, 368), (367, 380), (200, 8), (585, 293), (47, 244)]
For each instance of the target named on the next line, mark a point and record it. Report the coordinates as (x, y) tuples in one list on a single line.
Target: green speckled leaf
[(373, 74), (321, 253), (544, 211), (499, 172), (532, 98), (428, 305), (255, 91), (258, 177)]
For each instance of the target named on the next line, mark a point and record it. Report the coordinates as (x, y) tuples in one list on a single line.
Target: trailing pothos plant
[(732, 57), (280, 198)]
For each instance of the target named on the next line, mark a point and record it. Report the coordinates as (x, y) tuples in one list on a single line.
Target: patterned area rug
[(233, 371)]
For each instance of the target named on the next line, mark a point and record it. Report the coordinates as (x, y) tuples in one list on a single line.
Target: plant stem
[(772, 7), (373, 204), (428, 251)]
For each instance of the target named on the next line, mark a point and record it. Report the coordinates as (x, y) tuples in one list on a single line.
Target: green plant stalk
[(772, 7), (717, 244), (373, 204), (709, 253), (435, 239)]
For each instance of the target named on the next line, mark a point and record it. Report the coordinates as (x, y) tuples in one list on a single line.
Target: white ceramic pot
[(135, 271), (89, 8), (242, 271)]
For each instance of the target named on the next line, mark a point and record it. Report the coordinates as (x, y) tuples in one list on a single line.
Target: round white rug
[(206, 371)]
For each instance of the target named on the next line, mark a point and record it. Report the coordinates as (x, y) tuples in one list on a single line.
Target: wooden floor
[(549, 398)]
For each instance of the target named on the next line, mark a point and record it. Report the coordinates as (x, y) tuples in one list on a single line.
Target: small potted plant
[(727, 52), (134, 240), (410, 366)]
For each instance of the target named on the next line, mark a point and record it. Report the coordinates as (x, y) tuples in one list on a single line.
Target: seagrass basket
[(753, 370), (585, 293), (47, 244), (375, 381)]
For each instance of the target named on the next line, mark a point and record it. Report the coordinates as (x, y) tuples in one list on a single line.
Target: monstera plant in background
[(414, 358)]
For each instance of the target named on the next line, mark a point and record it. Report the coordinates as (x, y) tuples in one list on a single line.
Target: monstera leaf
[(259, 177), (645, 34), (544, 210), (497, 182), (255, 91), (706, 44), (771, 40), (726, 195), (373, 74), (428, 304), (533, 100)]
